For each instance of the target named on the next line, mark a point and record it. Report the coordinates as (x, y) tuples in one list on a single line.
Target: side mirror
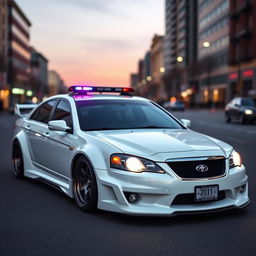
[(59, 126), (186, 123)]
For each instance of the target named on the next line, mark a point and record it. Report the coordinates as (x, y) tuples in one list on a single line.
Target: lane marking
[(201, 122), (236, 140), (251, 132)]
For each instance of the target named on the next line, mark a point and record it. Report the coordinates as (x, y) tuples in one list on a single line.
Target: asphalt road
[(36, 219)]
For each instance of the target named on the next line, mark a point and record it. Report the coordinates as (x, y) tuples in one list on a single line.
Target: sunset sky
[(94, 41)]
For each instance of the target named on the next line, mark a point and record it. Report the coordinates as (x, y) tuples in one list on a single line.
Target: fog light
[(131, 197), (242, 189)]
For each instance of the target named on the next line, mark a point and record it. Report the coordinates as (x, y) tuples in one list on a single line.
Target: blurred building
[(134, 80), (4, 92), (180, 46), (157, 67), (55, 84), (18, 54), (140, 70), (141, 81), (242, 50), (39, 74), (147, 67), (144, 76), (213, 45)]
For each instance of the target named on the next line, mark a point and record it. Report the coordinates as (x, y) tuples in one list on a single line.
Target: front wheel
[(242, 119), (85, 185), (17, 160)]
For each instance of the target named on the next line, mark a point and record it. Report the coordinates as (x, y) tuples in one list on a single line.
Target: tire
[(17, 159), (242, 119), (227, 118), (85, 186)]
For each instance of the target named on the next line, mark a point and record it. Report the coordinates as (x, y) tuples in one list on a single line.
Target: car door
[(37, 131), (60, 144)]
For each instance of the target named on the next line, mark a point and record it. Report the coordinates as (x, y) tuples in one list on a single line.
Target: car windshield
[(178, 103), (122, 114), (248, 102)]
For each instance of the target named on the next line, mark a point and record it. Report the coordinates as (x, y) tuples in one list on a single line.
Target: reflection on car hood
[(154, 141)]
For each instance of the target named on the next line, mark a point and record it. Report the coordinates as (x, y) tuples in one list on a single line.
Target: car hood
[(151, 142), (249, 107)]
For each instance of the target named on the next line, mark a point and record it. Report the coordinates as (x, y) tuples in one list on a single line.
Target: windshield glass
[(122, 114), (248, 102)]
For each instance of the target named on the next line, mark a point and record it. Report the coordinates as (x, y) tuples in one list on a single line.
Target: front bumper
[(158, 191), (251, 117)]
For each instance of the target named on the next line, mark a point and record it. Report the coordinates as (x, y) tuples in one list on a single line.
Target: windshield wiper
[(152, 127), (130, 128), (103, 129)]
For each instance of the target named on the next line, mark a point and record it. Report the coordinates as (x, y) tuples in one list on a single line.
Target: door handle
[(46, 134), (27, 127)]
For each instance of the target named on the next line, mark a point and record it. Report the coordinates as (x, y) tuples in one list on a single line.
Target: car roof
[(81, 97)]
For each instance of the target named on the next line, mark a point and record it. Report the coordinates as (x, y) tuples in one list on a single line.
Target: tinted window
[(42, 114), (248, 102), (63, 112), (120, 114)]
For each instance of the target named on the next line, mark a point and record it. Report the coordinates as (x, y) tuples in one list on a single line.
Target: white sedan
[(126, 154)]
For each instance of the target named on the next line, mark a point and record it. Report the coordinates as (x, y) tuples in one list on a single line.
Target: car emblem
[(202, 168)]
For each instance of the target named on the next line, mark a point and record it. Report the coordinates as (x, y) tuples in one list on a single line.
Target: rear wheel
[(85, 185), (17, 159), (227, 118)]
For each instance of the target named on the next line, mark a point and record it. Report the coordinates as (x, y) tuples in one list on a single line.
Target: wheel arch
[(75, 159)]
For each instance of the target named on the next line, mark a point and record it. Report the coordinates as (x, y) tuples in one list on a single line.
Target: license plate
[(206, 193)]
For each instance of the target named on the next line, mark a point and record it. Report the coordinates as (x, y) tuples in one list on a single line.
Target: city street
[(36, 219)]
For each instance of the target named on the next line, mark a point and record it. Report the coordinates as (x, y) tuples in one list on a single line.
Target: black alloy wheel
[(17, 159), (241, 119), (85, 185)]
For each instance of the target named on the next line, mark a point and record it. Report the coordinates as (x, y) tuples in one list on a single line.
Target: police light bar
[(83, 89)]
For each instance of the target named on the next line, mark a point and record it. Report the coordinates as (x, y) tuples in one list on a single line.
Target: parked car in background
[(241, 109), (175, 105)]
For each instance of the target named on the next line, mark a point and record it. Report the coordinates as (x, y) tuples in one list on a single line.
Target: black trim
[(212, 210)]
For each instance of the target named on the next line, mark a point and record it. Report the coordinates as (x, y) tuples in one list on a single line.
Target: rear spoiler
[(23, 109)]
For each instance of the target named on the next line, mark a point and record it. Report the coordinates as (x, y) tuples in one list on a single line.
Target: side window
[(42, 114), (63, 112)]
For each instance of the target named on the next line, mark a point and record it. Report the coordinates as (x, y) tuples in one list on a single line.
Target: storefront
[(242, 83), (4, 99)]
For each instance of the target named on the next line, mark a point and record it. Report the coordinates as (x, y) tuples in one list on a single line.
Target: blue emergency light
[(84, 89)]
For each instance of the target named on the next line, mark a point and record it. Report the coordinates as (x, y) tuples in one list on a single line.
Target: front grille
[(190, 199), (191, 169)]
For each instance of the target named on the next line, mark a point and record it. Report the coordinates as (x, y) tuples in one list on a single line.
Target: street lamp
[(206, 44), (180, 59), (149, 78), (162, 69)]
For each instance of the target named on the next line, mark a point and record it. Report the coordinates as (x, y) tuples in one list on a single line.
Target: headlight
[(248, 112), (235, 160), (133, 164)]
